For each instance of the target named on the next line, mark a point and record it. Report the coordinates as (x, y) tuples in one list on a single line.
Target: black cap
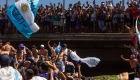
[(33, 46), (5, 59)]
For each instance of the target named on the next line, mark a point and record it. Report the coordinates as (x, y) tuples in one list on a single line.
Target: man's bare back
[(7, 47)]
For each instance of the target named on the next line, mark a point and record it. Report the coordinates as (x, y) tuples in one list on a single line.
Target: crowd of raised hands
[(80, 18), (37, 64)]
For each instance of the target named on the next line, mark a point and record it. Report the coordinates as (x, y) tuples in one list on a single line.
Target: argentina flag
[(90, 61), (137, 30), (22, 17), (34, 6)]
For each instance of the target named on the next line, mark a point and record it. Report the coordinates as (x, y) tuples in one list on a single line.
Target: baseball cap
[(42, 45), (21, 45), (5, 59)]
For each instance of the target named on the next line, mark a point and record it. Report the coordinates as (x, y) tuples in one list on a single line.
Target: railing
[(66, 25)]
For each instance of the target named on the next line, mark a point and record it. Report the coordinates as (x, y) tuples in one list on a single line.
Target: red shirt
[(134, 12)]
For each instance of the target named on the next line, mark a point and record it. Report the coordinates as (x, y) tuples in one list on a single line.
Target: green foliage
[(106, 77)]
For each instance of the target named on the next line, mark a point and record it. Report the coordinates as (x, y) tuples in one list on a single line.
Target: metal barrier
[(74, 25)]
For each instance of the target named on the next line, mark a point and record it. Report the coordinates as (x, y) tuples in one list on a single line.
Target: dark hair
[(44, 66), (7, 42), (14, 51), (83, 78), (55, 44), (28, 52), (64, 45), (69, 78), (30, 72), (35, 69)]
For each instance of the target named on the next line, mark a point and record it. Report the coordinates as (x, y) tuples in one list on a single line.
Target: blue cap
[(5, 59), (21, 45)]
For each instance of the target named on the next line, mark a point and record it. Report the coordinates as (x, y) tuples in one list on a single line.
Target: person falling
[(133, 36)]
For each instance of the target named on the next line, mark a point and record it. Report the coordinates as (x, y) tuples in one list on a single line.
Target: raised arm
[(53, 66), (79, 71), (127, 60), (49, 44), (113, 4), (127, 46)]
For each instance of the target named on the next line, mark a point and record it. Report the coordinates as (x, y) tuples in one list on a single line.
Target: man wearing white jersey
[(65, 49), (53, 48), (6, 71)]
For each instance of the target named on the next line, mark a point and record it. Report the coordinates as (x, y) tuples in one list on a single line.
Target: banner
[(58, 49), (34, 6), (22, 17), (90, 61)]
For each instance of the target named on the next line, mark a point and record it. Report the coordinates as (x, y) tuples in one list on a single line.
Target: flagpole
[(94, 15), (123, 14), (64, 4), (63, 19), (6, 3)]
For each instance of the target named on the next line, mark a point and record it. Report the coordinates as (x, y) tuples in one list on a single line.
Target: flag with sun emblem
[(137, 30), (22, 17), (34, 6)]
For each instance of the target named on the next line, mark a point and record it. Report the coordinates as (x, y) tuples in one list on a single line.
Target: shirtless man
[(133, 63), (20, 54), (43, 53), (59, 61), (133, 36), (7, 48), (35, 53), (53, 48)]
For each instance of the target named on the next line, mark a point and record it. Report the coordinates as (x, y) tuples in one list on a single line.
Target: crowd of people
[(36, 64), (134, 59), (80, 18)]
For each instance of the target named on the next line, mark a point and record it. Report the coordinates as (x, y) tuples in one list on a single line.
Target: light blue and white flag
[(137, 31), (90, 61), (58, 48), (22, 17), (34, 6)]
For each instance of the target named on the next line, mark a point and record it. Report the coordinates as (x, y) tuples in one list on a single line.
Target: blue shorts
[(59, 65)]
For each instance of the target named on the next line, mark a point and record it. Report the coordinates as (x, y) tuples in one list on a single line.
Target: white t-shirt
[(38, 78), (9, 73), (65, 51)]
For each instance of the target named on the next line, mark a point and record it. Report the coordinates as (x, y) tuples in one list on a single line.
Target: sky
[(67, 2)]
